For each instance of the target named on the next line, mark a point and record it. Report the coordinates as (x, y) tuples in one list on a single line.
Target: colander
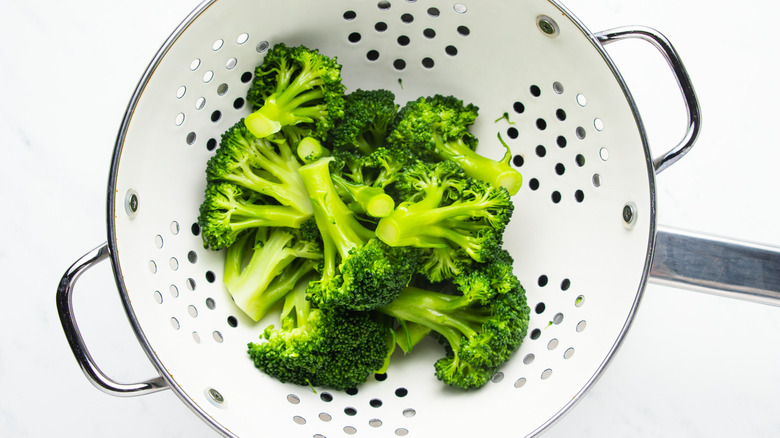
[(583, 236)]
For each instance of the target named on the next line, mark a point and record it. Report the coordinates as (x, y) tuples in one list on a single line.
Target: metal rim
[(111, 206), (653, 225)]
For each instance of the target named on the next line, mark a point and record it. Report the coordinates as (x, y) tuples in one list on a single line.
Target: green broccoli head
[(437, 128), (292, 86), (317, 347), (367, 117), (228, 210), (259, 165), (371, 276), (379, 169), (443, 208), (481, 324)]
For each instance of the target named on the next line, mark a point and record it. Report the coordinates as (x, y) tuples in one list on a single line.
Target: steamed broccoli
[(362, 198), (454, 216), (295, 85), (333, 348), (262, 266), (309, 149), (264, 166), (367, 116), (480, 326), (227, 211), (358, 271), (437, 127)]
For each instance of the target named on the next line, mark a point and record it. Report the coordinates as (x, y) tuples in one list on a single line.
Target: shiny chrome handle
[(717, 265), (87, 364), (683, 80)]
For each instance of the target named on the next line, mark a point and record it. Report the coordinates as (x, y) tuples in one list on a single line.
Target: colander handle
[(84, 358), (717, 265), (683, 80)]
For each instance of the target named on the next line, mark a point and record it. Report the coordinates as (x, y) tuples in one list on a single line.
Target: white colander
[(583, 234)]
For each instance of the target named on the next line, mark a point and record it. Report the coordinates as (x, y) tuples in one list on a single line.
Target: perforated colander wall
[(553, 99)]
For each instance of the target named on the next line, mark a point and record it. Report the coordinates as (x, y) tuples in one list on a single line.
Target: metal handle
[(683, 80), (87, 364), (717, 265)]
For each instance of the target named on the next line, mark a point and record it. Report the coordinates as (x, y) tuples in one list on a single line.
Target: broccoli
[(359, 271), (362, 198), (380, 169), (367, 116), (262, 266), (316, 347), (480, 326), (437, 127), (227, 211), (448, 212), (309, 149), (292, 86), (264, 166)]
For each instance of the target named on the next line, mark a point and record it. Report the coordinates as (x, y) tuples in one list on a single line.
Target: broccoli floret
[(446, 211), (262, 266), (333, 348), (379, 169), (363, 198), (367, 116), (359, 271), (266, 167), (443, 262), (292, 86), (480, 326), (227, 211), (438, 127)]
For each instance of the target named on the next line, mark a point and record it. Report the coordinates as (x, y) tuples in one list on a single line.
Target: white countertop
[(692, 364)]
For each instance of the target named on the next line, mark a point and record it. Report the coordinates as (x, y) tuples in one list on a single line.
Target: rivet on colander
[(547, 25), (629, 214), (131, 203), (215, 396)]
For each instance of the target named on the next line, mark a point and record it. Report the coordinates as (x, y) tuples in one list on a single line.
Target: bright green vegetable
[(363, 198), (437, 128), (359, 271), (264, 166), (262, 266), (227, 211), (367, 116), (369, 227), (480, 326), (333, 348), (295, 86), (454, 216)]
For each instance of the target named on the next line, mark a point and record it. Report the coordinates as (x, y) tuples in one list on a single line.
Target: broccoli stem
[(409, 334), (246, 216), (336, 221), (289, 192), (310, 150), (499, 173), (435, 310), (249, 287), (284, 109), (296, 308), (424, 228), (368, 199)]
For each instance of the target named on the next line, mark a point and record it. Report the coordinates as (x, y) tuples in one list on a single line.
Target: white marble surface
[(692, 365)]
